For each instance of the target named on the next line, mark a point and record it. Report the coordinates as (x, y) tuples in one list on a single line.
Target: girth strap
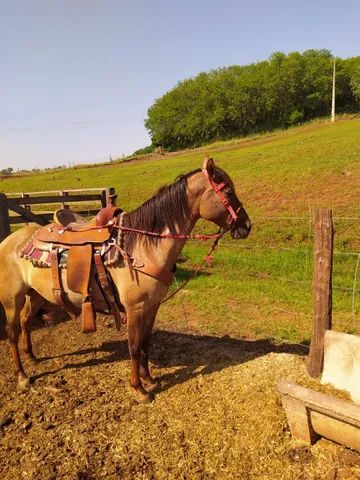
[(58, 292), (57, 288), (107, 290)]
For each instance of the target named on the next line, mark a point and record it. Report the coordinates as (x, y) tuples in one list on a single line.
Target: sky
[(78, 76)]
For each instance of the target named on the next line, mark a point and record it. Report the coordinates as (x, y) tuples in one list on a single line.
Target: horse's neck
[(166, 251)]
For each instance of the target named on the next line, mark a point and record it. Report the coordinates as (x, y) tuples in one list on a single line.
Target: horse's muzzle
[(241, 232)]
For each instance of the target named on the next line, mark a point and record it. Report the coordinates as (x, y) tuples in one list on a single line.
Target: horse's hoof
[(23, 383), (150, 384), (144, 398)]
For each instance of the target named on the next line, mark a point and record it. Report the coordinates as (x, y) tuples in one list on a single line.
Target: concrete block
[(342, 362)]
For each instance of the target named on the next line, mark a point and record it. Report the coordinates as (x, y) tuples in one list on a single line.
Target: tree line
[(239, 100)]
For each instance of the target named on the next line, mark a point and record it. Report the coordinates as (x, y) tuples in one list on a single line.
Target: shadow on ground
[(190, 355)]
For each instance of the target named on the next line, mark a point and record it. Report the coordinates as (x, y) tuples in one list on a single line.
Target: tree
[(6, 171), (355, 84), (239, 100)]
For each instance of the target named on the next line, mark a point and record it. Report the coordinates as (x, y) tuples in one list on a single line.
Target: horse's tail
[(2, 323)]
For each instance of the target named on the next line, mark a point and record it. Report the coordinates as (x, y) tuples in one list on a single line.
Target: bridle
[(218, 189)]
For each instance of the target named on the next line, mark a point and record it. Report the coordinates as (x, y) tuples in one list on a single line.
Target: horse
[(154, 235)]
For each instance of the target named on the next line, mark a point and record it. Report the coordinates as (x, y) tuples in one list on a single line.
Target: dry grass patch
[(217, 416)]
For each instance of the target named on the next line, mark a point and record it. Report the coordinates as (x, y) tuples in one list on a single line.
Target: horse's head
[(219, 202)]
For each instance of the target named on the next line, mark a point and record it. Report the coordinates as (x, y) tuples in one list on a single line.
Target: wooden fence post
[(322, 289), (4, 217), (64, 194), (108, 197)]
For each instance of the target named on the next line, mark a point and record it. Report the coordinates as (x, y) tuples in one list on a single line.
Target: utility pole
[(333, 96)]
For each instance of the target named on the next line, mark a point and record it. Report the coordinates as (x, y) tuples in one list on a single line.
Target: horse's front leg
[(147, 380), (136, 336)]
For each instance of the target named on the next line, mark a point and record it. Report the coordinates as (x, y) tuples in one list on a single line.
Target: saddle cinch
[(71, 242)]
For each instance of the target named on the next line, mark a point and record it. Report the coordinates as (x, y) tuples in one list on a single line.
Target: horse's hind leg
[(146, 379), (12, 309), (32, 304)]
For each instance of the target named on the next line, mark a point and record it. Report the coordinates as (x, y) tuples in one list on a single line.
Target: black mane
[(168, 207)]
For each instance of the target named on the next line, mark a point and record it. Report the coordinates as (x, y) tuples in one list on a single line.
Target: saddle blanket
[(39, 253)]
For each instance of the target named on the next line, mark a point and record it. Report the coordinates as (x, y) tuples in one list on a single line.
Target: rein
[(172, 236), (196, 271)]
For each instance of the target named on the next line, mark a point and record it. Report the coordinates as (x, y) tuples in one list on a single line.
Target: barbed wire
[(287, 249), (270, 247), (306, 251), (272, 218), (291, 280), (346, 253)]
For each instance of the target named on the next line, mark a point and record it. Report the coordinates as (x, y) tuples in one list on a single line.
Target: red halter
[(218, 187)]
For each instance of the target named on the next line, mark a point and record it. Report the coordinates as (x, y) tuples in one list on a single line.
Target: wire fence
[(351, 289)]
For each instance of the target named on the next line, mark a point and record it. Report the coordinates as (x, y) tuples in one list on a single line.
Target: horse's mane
[(165, 209)]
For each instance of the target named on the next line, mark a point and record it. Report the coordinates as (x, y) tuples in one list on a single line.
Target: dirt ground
[(218, 414)]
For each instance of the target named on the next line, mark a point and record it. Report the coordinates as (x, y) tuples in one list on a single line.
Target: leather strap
[(58, 291), (218, 187), (107, 289), (57, 287), (164, 276)]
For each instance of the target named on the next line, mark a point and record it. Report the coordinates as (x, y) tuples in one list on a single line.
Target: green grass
[(260, 287)]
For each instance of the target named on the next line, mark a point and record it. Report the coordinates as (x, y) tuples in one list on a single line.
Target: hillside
[(316, 160)]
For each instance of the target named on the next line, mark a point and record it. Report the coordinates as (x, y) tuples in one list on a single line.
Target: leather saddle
[(84, 243)]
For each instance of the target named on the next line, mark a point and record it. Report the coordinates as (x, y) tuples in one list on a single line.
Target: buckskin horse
[(132, 254)]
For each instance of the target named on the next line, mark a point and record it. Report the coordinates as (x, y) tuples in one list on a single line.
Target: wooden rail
[(21, 203)]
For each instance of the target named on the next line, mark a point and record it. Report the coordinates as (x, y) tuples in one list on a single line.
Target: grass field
[(260, 287)]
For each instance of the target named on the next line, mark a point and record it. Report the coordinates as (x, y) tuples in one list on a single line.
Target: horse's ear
[(209, 166)]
